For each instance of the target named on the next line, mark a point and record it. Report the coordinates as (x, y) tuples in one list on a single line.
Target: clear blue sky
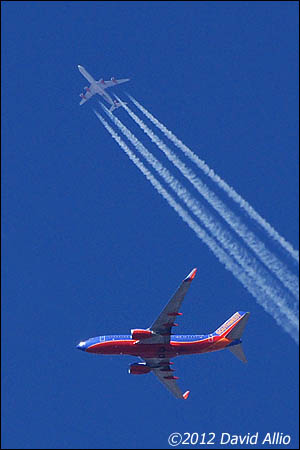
[(89, 248)]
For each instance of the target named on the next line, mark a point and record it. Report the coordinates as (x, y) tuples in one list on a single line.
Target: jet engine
[(139, 369), (113, 79), (141, 334)]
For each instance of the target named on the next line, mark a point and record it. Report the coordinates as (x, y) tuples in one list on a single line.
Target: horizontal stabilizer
[(238, 351), (116, 105)]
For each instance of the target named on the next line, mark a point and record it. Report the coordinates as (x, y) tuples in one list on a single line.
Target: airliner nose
[(81, 345)]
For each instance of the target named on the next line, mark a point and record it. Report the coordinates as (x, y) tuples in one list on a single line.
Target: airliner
[(157, 345), (98, 87)]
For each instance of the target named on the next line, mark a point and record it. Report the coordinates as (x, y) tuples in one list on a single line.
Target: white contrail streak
[(271, 261), (249, 263), (220, 182), (281, 317)]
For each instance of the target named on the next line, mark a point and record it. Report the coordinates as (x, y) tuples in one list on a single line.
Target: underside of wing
[(85, 97), (163, 324), (161, 367)]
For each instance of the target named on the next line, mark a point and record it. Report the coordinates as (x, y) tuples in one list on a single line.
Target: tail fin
[(238, 328), (233, 329), (116, 105)]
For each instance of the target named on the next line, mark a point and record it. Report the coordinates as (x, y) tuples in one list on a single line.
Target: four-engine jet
[(157, 345), (98, 87)]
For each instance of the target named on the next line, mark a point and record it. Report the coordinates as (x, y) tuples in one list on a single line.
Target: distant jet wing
[(161, 368), (165, 321), (86, 97), (110, 83)]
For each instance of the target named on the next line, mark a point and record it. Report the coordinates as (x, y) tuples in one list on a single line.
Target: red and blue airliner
[(156, 345)]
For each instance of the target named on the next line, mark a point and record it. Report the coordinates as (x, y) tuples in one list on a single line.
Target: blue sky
[(88, 246)]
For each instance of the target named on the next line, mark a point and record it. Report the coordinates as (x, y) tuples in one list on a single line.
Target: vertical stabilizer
[(233, 329), (238, 329)]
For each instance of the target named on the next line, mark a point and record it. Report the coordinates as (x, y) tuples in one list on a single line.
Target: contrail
[(271, 261), (282, 316), (220, 182), (250, 264)]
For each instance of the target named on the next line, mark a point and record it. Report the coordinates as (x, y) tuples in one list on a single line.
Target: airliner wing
[(161, 368), (113, 82), (85, 97), (163, 324)]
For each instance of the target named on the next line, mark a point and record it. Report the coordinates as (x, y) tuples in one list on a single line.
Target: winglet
[(191, 275), (185, 395)]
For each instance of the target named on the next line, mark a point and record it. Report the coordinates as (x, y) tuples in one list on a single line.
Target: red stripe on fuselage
[(130, 347)]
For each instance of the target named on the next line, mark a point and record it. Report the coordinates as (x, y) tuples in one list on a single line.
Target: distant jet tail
[(116, 105), (233, 329)]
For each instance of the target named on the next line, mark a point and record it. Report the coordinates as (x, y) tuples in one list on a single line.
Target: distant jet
[(157, 345), (98, 87)]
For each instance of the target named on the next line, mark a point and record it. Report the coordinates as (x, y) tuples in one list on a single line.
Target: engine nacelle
[(141, 334), (139, 369), (113, 79), (102, 81), (86, 88), (82, 95)]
